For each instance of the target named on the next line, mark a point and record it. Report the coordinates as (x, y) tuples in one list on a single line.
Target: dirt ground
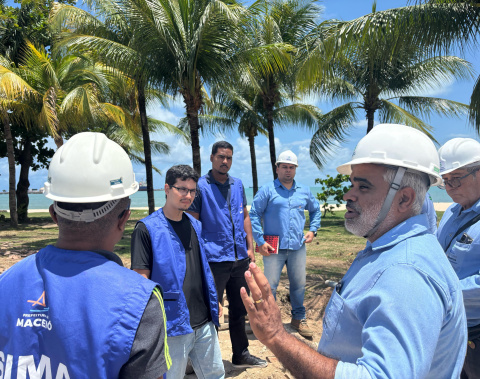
[(316, 299)]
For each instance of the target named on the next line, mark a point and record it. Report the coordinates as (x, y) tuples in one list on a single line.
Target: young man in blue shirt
[(459, 234), (281, 204), (167, 247), (398, 311)]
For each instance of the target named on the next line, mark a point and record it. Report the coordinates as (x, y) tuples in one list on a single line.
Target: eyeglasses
[(185, 191), (456, 182), (126, 209)]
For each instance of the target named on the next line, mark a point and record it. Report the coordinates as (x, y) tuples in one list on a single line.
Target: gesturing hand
[(263, 312)]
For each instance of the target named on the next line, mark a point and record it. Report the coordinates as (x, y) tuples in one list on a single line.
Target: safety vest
[(69, 314), (169, 267), (219, 233)]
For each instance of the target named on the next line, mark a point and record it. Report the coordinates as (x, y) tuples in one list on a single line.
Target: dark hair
[(221, 145), (182, 172)]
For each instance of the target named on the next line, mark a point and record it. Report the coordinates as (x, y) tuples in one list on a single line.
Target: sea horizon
[(140, 200)]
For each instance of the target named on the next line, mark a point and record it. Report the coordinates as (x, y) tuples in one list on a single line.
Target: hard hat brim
[(346, 168)]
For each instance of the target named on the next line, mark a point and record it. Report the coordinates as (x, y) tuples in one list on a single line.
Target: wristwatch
[(315, 234)]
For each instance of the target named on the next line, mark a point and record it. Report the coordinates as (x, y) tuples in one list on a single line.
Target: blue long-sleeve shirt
[(283, 215), (464, 256), (398, 312)]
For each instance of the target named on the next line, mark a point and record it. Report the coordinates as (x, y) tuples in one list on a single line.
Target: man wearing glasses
[(221, 206), (167, 247), (459, 234)]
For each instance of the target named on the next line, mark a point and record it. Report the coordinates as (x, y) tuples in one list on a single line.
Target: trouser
[(471, 366), (202, 348), (296, 261), (229, 276)]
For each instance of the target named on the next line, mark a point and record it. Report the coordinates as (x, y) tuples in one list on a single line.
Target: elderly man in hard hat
[(398, 311), (281, 204), (459, 234), (72, 310)]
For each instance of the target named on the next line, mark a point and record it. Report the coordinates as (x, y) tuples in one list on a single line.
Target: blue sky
[(291, 138)]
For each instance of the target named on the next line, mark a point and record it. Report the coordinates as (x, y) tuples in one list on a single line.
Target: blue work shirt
[(464, 256), (398, 311), (429, 209), (282, 211)]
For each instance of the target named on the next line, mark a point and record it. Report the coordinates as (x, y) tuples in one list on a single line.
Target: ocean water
[(139, 199)]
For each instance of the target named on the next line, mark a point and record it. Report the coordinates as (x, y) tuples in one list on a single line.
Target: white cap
[(397, 145), (457, 153), (287, 157), (90, 168)]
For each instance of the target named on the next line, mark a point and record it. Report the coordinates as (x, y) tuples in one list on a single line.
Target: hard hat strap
[(87, 215), (394, 187)]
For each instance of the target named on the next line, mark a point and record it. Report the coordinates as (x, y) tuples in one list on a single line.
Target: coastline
[(439, 207)]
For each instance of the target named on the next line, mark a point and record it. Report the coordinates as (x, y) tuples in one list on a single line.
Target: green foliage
[(27, 21), (332, 187)]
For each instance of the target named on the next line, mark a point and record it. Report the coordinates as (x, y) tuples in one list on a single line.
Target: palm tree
[(435, 26), (291, 23), (379, 71), (64, 95), (118, 40), (194, 41)]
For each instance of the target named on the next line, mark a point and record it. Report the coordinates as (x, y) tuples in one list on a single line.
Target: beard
[(365, 220)]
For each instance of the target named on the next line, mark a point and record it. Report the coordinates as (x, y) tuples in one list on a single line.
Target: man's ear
[(122, 221), (406, 199), (211, 157), (53, 215)]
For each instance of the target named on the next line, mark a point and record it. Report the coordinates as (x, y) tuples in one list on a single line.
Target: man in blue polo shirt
[(459, 234), (398, 311), (221, 206), (281, 204)]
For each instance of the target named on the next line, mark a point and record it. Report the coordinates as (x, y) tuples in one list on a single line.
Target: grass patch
[(333, 242)]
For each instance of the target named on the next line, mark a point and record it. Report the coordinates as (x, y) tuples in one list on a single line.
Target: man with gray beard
[(398, 311)]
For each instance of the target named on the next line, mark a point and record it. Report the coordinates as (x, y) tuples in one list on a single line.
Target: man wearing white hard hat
[(459, 234), (281, 204), (398, 311), (72, 310)]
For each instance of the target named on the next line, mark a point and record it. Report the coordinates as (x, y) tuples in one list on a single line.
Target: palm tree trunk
[(269, 104), (192, 105), (25, 160), (58, 141), (11, 170), (370, 119), (147, 151), (251, 143), (271, 140)]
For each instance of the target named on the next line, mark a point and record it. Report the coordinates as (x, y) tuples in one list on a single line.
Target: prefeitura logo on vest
[(38, 315)]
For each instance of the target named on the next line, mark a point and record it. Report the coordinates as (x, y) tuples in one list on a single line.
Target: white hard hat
[(90, 168), (457, 153), (287, 157), (397, 145)]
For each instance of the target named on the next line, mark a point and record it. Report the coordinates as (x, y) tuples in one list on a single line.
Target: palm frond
[(392, 113), (333, 128)]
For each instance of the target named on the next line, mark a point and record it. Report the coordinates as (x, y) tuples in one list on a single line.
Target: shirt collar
[(457, 209), (211, 179), (109, 255), (411, 227), (278, 184)]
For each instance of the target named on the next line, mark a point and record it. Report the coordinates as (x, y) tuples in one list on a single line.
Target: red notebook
[(272, 241)]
